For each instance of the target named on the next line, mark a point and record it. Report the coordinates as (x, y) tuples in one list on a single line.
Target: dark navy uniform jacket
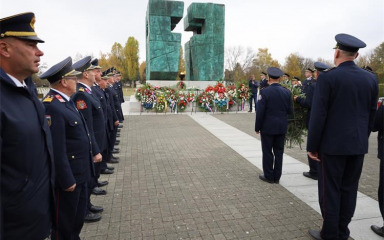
[(88, 104), (116, 101), (27, 172), (102, 98), (306, 84), (307, 101), (273, 108), (264, 83), (111, 112), (71, 141), (120, 90), (343, 111)]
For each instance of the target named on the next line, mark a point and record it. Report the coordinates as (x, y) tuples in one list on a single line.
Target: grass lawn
[(128, 91)]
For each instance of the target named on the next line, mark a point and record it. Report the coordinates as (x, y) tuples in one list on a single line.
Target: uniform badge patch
[(81, 105), (81, 89), (59, 98), (49, 120)]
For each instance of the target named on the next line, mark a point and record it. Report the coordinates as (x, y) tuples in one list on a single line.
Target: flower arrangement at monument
[(161, 102), (205, 101), (190, 97), (243, 94), (297, 121), (181, 102)]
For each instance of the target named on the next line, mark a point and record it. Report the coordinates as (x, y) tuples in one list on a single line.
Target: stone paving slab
[(178, 181), (175, 180)]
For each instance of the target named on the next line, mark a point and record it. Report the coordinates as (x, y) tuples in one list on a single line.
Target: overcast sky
[(306, 27)]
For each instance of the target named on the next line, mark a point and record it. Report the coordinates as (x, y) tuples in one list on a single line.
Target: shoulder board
[(48, 98), (81, 89), (329, 69)]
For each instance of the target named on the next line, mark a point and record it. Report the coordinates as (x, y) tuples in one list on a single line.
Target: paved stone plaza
[(177, 180)]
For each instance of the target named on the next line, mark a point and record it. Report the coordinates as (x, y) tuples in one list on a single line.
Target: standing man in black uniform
[(88, 104), (274, 106), (308, 79), (72, 150), (253, 86), (306, 102), (342, 117), (26, 163), (99, 93), (379, 126), (263, 80)]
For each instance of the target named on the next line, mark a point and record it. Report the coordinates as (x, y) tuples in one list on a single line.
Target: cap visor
[(32, 38)]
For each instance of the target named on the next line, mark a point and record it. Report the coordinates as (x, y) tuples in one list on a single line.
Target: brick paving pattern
[(175, 180)]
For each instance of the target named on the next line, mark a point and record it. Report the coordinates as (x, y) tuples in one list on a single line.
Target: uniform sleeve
[(372, 119), (84, 105), (379, 119), (318, 114), (290, 107), (64, 174), (261, 106)]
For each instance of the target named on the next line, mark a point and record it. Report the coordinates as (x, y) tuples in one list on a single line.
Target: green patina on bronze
[(204, 53), (163, 46)]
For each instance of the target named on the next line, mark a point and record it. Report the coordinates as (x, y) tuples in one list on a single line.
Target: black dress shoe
[(315, 234), (120, 126), (309, 175), (96, 209), (378, 230), (277, 181), (110, 168), (118, 129), (98, 191), (118, 135), (113, 161), (117, 142), (92, 217), (263, 178), (250, 111), (115, 158), (115, 151), (106, 171), (102, 183)]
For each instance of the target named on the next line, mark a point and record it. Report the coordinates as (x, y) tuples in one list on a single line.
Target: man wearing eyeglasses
[(26, 162), (72, 150)]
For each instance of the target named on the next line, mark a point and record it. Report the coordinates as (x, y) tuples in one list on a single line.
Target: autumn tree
[(292, 65), (263, 61), (142, 70), (131, 60), (238, 63)]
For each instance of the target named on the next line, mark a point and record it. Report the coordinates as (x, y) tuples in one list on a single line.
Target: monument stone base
[(189, 84)]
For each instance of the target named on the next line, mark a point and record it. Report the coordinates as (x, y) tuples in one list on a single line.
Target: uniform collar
[(62, 94), (17, 82), (86, 86)]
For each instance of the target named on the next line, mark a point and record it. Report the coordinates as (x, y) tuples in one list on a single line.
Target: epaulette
[(48, 98), (329, 69), (81, 89)]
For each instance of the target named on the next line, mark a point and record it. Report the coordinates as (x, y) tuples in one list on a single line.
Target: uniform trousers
[(253, 98), (337, 185), (381, 186), (313, 166), (70, 213), (273, 150)]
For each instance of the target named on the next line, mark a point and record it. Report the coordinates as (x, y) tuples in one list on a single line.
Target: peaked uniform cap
[(274, 72), (95, 63), (59, 71), (321, 66), (348, 43), (19, 26), (83, 65)]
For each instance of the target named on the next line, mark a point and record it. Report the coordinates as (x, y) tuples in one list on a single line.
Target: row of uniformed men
[(83, 110)]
